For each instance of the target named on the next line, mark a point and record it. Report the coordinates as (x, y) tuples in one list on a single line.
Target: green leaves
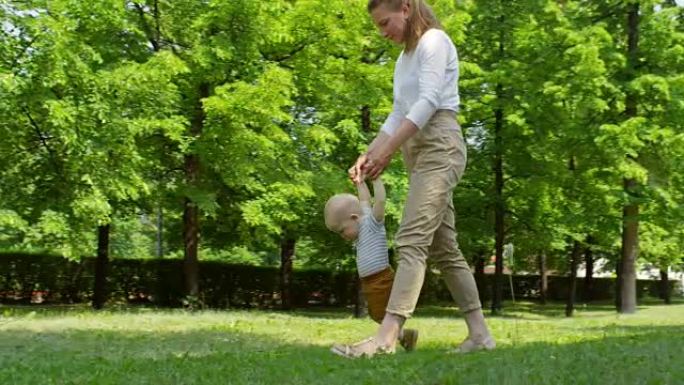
[(278, 206), (12, 227), (102, 103), (262, 103)]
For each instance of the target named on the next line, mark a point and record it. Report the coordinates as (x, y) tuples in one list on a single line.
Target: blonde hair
[(421, 18)]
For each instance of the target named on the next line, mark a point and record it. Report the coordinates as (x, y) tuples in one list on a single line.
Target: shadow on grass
[(522, 310), (518, 310), (526, 310), (619, 354)]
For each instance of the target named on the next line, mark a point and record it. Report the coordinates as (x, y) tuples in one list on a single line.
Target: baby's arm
[(379, 200), (364, 193)]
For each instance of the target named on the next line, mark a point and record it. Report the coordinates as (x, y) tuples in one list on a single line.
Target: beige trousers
[(435, 159)]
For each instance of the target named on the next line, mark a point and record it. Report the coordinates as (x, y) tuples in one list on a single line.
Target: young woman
[(423, 125)]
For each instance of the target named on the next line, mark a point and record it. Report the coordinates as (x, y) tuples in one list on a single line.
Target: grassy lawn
[(537, 345)]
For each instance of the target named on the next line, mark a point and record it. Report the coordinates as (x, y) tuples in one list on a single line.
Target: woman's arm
[(380, 156), (432, 55), (355, 171)]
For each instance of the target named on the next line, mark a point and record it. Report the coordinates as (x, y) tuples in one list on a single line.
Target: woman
[(423, 124)]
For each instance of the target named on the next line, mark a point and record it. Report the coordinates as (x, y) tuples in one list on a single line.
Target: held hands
[(369, 165), (356, 171), (376, 163)]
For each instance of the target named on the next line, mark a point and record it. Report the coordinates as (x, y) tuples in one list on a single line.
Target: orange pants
[(377, 288)]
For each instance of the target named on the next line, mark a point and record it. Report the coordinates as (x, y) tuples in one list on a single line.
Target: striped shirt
[(371, 245)]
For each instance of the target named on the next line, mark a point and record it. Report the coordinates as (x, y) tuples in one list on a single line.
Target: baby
[(354, 219)]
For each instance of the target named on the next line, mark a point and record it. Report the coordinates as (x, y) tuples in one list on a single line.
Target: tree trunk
[(630, 212), (287, 250), (572, 285), (366, 119), (618, 284), (497, 295), (72, 290), (543, 279), (190, 239), (588, 290), (160, 232), (360, 304), (191, 211), (500, 207), (665, 286), (101, 265), (630, 249), (480, 262)]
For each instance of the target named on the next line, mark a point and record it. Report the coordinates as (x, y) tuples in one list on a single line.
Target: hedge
[(28, 278)]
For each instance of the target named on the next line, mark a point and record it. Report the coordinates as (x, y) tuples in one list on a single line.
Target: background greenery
[(217, 129)]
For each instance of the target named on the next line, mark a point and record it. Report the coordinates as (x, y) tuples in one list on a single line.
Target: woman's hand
[(355, 171), (380, 156), (377, 161)]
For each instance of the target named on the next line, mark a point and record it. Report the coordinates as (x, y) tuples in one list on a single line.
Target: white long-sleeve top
[(425, 80)]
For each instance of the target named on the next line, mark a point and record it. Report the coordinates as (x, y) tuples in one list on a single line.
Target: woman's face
[(391, 24)]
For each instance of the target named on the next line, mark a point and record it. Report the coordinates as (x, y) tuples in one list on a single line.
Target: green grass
[(536, 345)]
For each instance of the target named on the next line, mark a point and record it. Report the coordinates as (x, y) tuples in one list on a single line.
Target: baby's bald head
[(339, 208)]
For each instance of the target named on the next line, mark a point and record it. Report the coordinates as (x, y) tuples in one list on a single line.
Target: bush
[(28, 278)]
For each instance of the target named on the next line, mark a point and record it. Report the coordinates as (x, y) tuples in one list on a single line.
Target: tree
[(77, 94)]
